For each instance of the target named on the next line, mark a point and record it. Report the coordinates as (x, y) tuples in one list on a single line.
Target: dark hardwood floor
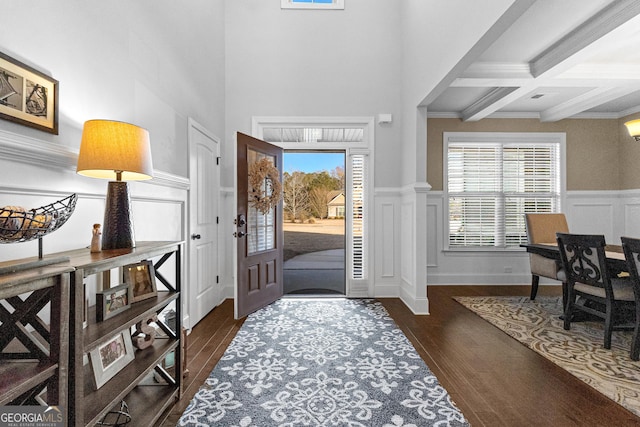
[(494, 380)]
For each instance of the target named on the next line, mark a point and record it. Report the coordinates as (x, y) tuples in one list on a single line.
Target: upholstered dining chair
[(542, 228), (631, 249), (585, 264)]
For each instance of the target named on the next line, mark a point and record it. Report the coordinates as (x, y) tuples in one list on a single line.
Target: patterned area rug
[(537, 325), (321, 362)]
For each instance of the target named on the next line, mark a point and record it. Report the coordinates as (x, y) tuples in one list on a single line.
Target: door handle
[(239, 234), (195, 236)]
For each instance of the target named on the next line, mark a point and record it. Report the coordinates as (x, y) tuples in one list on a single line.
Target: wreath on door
[(265, 189)]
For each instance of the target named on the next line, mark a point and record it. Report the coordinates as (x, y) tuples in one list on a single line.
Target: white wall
[(154, 63), (316, 63), (375, 56), (321, 64), (157, 62), (436, 35)]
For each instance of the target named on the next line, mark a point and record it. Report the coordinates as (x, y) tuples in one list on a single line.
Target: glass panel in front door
[(260, 227)]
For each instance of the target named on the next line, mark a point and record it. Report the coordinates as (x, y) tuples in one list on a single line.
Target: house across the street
[(335, 204)]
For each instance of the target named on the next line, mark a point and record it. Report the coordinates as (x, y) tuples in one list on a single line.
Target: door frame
[(345, 235), (354, 288)]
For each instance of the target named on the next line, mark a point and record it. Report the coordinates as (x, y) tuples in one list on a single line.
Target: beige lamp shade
[(634, 128), (109, 147)]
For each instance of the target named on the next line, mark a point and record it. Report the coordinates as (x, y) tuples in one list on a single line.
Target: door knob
[(195, 236), (239, 234)]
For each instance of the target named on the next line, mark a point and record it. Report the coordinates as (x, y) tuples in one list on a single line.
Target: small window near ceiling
[(312, 4)]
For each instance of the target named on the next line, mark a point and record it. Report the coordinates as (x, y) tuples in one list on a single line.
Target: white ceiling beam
[(491, 82), (512, 70), (572, 82), (490, 103), (603, 72), (584, 102), (491, 74), (614, 19)]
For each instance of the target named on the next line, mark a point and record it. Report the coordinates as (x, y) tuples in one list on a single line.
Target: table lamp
[(120, 151)]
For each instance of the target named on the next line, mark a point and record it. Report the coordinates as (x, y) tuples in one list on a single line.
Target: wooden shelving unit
[(34, 353), (88, 405)]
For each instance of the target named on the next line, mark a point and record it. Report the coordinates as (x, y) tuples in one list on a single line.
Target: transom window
[(309, 134), (493, 179), (312, 4)]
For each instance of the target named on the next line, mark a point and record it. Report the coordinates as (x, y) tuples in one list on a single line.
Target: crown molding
[(536, 115)]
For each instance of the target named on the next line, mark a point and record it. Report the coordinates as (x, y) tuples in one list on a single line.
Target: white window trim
[(288, 4), (354, 287), (492, 137)]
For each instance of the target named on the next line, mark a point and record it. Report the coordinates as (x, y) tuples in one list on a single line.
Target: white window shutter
[(491, 184), (359, 222)]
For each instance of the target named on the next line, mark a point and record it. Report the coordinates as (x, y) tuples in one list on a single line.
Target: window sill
[(484, 250)]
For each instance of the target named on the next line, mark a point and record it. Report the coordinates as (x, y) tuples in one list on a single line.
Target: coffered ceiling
[(555, 59)]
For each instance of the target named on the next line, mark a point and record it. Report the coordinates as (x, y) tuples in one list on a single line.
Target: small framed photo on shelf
[(112, 301), (141, 278), (109, 358)]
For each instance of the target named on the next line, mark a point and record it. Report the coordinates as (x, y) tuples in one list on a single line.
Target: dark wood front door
[(259, 234)]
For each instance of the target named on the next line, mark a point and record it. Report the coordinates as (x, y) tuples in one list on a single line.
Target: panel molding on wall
[(407, 209), (611, 213), (434, 231)]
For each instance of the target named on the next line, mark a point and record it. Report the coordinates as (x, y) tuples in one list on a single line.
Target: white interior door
[(204, 289)]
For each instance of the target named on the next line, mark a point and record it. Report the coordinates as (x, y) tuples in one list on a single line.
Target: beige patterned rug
[(537, 325)]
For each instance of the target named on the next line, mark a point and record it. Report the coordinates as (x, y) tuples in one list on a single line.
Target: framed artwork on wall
[(28, 96)]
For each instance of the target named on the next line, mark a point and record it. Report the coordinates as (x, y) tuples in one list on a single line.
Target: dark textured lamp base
[(117, 230)]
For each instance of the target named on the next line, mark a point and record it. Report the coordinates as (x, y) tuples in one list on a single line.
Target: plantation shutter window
[(492, 182), (359, 215)]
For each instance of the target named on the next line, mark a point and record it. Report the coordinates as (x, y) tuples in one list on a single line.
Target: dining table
[(616, 262)]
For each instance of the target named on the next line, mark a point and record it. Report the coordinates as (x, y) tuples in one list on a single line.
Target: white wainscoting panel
[(407, 232), (386, 251), (611, 213), (434, 231), (387, 245), (631, 214), (228, 242), (594, 212)]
